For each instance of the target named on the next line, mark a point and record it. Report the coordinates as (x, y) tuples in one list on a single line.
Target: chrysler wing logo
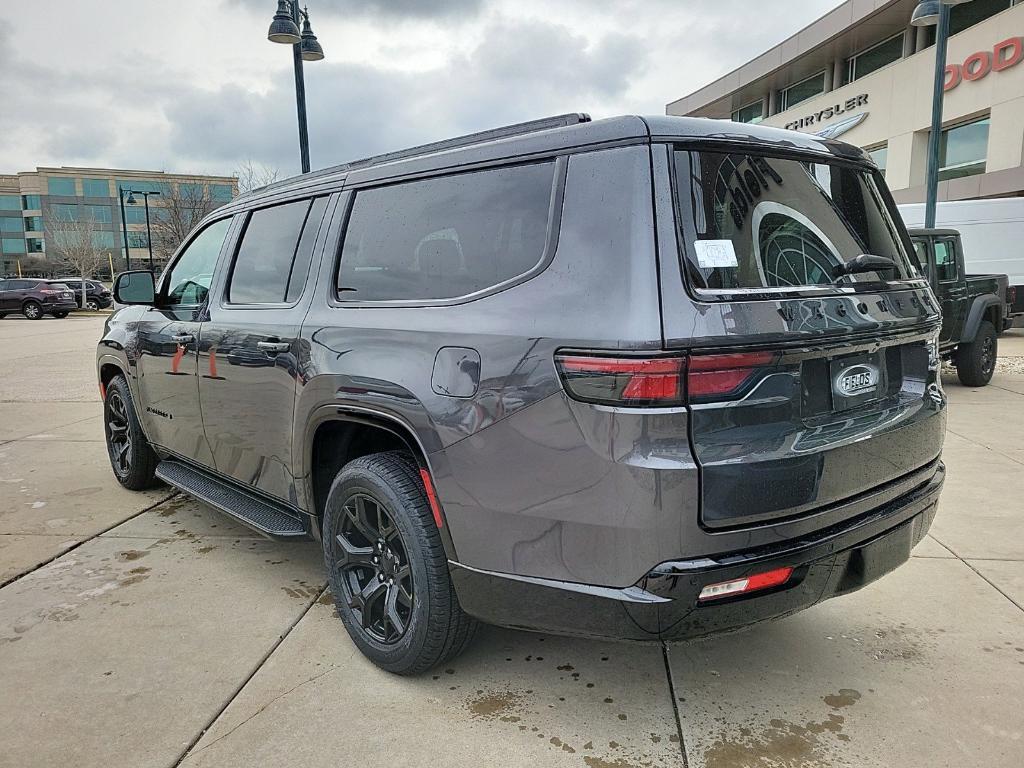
[(856, 380), (838, 129)]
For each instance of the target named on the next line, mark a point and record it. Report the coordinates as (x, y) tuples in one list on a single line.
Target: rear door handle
[(273, 346), (183, 338)]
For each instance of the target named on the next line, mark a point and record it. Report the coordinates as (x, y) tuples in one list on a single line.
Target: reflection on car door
[(247, 353), (168, 335)]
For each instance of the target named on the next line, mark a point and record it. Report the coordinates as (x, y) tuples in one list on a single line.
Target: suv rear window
[(446, 237), (761, 222)]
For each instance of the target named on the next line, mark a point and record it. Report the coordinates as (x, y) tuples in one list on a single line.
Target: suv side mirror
[(135, 287)]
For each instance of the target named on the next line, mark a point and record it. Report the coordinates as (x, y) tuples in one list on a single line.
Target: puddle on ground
[(783, 743)]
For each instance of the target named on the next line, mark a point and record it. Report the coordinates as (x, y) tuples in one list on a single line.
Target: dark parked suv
[(96, 294), (635, 378), (35, 298)]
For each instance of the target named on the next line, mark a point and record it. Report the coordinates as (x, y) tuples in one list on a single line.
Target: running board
[(266, 517)]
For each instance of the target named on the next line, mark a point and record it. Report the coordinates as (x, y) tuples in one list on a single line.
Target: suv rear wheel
[(32, 310), (976, 362), (131, 457), (387, 568)]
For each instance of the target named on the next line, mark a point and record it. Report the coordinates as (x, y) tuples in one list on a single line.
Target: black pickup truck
[(974, 307)]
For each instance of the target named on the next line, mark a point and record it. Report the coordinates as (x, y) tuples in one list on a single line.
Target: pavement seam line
[(62, 426), (983, 577), (75, 546), (241, 687), (675, 703), (982, 445), (263, 708)]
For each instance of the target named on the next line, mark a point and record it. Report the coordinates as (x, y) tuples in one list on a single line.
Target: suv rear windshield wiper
[(866, 262)]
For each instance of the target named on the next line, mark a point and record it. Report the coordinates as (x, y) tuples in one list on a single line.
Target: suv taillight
[(716, 376), (658, 381), (50, 292), (634, 381)]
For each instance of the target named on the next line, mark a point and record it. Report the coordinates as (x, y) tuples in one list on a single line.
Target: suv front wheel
[(387, 568), (131, 456)]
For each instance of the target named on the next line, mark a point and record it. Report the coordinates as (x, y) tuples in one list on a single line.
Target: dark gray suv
[(636, 378)]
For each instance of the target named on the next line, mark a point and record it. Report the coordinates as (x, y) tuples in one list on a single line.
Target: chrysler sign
[(828, 113)]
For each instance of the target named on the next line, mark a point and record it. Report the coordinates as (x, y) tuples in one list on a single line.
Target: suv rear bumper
[(664, 605)]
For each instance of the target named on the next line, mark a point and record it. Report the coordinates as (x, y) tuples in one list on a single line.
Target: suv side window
[(273, 258), (188, 282), (446, 237), (945, 260)]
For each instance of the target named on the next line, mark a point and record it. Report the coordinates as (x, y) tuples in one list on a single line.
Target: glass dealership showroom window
[(963, 150)]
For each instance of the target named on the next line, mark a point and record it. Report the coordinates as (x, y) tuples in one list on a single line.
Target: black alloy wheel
[(374, 567), (131, 457), (988, 355), (118, 433)]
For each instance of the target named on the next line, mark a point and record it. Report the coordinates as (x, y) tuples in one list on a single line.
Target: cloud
[(520, 70), (414, 9)]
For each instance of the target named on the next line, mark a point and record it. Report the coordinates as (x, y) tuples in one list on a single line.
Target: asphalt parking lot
[(150, 630)]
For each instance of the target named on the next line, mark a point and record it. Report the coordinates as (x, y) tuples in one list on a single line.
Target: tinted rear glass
[(778, 223), (446, 237), (263, 265)]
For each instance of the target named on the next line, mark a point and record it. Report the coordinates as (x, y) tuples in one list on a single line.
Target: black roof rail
[(517, 129)]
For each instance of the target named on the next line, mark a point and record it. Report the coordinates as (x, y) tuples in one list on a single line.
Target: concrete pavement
[(146, 630)]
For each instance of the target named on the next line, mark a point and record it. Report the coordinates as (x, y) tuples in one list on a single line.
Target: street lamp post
[(124, 223), (149, 232), (305, 47), (927, 13)]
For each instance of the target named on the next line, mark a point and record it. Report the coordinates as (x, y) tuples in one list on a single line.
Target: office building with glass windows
[(32, 201), (862, 74)]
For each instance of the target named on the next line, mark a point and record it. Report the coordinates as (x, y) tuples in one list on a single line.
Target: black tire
[(976, 361), (131, 457), (3, 315), (60, 315), (32, 310), (434, 627)]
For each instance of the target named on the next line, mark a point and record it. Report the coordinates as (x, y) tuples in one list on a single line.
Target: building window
[(752, 113), (137, 240), (968, 14), (99, 213), (879, 155), (10, 224), (190, 190), (95, 187), (221, 193), (144, 186), (64, 211), (9, 203), (12, 244), (35, 244), (963, 149), (135, 214), (874, 58), (103, 239), (31, 203), (33, 223), (61, 186), (802, 91)]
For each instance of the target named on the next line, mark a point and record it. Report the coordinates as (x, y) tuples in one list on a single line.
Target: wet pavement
[(150, 630)]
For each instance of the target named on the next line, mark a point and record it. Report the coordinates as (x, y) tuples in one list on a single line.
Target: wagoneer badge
[(856, 379)]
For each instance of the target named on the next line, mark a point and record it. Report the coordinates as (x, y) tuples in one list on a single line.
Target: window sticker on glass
[(715, 253)]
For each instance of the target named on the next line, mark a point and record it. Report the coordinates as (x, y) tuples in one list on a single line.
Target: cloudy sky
[(193, 85)]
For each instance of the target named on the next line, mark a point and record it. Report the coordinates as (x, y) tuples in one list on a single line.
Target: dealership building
[(862, 74), (33, 202)]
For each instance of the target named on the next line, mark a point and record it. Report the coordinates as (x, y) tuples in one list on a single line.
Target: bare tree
[(72, 241), (184, 206), (252, 175)]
